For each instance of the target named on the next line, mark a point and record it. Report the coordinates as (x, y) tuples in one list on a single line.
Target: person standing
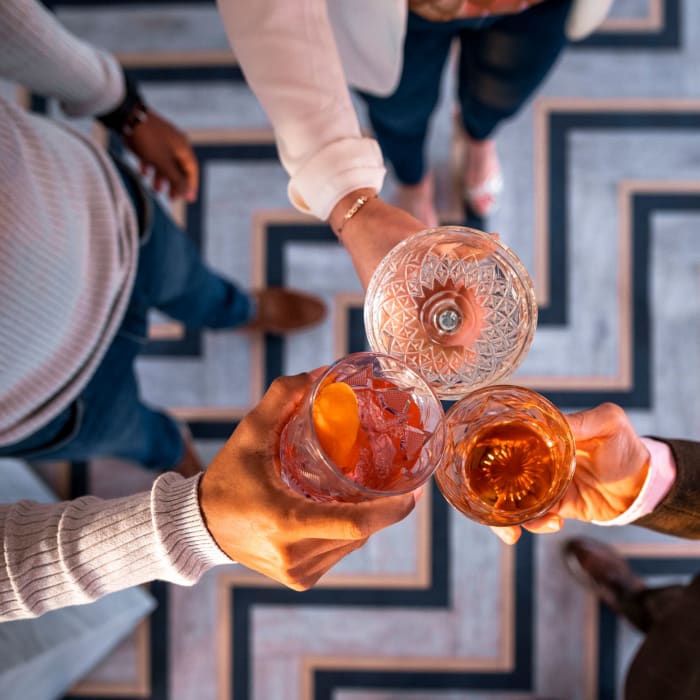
[(86, 250)]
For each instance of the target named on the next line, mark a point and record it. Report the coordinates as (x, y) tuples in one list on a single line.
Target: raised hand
[(611, 467), (259, 522)]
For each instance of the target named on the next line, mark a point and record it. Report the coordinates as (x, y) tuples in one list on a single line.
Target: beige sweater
[(68, 254), (68, 234)]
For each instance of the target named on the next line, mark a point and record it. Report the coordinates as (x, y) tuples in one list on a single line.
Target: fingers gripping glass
[(511, 456), (368, 427)]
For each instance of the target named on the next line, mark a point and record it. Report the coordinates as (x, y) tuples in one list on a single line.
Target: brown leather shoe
[(280, 310), (601, 569)]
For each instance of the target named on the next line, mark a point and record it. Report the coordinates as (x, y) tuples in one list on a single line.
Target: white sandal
[(492, 186)]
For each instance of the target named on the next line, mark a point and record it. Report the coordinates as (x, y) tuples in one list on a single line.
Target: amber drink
[(511, 456)]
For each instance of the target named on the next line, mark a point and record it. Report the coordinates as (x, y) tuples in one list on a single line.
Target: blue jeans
[(109, 418), (503, 59)]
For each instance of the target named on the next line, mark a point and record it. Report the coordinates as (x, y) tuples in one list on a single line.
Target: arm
[(289, 57), (69, 553), (678, 512), (621, 478), (241, 510), (37, 52)]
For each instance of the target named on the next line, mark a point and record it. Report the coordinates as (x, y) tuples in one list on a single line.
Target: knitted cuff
[(129, 114)]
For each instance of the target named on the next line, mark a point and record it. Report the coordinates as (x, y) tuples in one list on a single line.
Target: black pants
[(503, 60)]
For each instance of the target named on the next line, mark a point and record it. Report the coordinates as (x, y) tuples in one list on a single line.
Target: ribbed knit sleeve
[(54, 555), (38, 53)]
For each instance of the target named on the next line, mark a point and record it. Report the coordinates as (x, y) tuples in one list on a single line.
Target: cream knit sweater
[(68, 253)]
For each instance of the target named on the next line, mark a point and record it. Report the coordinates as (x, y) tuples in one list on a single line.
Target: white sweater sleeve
[(288, 54), (59, 554), (38, 53)]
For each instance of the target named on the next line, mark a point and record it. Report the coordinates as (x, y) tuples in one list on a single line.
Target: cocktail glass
[(368, 427), (456, 305), (511, 456)]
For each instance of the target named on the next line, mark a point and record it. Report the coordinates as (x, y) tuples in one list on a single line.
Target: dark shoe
[(280, 310), (601, 569)]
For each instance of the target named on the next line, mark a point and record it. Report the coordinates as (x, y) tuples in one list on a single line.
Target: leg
[(173, 278), (400, 121), (501, 66), (666, 664), (109, 419)]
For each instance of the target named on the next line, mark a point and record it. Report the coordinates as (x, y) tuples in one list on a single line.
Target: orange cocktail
[(511, 455), (369, 427)]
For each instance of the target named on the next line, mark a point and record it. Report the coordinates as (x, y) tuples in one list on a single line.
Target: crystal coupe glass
[(511, 456), (456, 305), (368, 427)]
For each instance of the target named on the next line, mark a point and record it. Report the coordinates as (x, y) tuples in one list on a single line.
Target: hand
[(372, 232), (611, 467), (164, 148), (259, 522)]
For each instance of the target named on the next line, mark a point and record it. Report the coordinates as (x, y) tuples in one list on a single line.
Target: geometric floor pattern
[(602, 204)]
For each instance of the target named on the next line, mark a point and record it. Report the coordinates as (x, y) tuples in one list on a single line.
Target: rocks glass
[(511, 456), (456, 305), (369, 427)]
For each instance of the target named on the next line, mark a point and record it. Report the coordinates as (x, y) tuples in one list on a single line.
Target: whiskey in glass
[(511, 456)]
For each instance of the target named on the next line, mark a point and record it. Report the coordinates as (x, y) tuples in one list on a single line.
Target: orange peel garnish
[(336, 417)]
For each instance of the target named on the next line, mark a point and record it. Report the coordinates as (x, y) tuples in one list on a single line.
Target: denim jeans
[(109, 418), (503, 59)]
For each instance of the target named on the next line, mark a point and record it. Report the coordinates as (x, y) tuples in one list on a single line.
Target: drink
[(384, 448), (509, 466), (512, 456), (454, 304), (369, 427)]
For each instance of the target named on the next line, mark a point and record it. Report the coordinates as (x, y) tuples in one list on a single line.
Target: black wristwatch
[(129, 114)]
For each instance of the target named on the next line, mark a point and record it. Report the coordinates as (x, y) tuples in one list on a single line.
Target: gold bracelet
[(356, 206)]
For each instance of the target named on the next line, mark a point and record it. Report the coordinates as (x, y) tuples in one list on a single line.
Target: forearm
[(288, 54), (678, 512), (38, 53), (54, 555)]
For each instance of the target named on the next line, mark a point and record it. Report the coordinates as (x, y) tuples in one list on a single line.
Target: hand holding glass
[(511, 456)]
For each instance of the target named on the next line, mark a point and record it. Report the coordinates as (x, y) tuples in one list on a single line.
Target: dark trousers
[(503, 60), (667, 665)]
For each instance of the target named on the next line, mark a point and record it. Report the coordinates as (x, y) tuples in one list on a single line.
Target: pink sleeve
[(661, 476)]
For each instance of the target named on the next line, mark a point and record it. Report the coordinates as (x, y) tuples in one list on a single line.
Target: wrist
[(349, 207), (129, 113)]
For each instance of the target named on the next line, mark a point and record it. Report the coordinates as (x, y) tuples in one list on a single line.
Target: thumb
[(280, 400)]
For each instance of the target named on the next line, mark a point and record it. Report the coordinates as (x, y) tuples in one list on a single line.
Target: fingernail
[(552, 525)]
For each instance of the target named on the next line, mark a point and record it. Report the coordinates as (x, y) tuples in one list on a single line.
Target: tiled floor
[(602, 203)]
